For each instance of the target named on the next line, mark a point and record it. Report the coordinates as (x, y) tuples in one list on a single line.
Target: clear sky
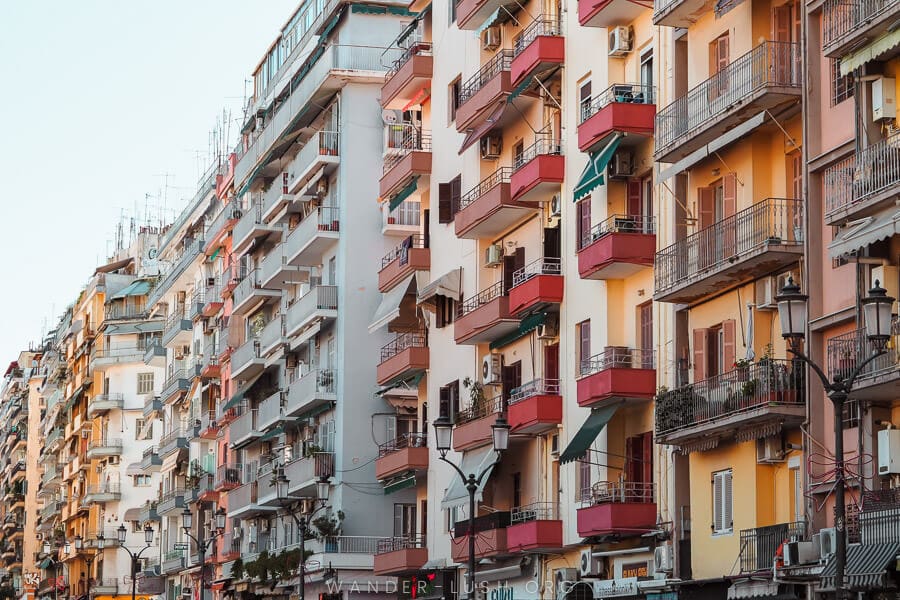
[(99, 100)]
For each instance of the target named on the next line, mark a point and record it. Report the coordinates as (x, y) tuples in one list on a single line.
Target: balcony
[(617, 507), (473, 423), (175, 440), (173, 501), (319, 303), (535, 527), (480, 95), (178, 381), (210, 299), (747, 402), (406, 161), (488, 209), (173, 562), (484, 317), (402, 261), (277, 197), (230, 548), (314, 236), (252, 227), (228, 477), (848, 26), (617, 248), (191, 249), (749, 244), (104, 358), (536, 286), (403, 356), (178, 329), (409, 77), (148, 512), (878, 380), (312, 390), (209, 366), (275, 273), (250, 293), (152, 405), (408, 452), (270, 411), (760, 545), (305, 471), (319, 156), (103, 403), (243, 430), (102, 493), (400, 555), (272, 337), (472, 14), (608, 13), (766, 78), (155, 355), (247, 360), (209, 427), (537, 172), (617, 373), (863, 184), (537, 49), (490, 537), (535, 407), (104, 447), (621, 108), (403, 221), (222, 224), (150, 460)]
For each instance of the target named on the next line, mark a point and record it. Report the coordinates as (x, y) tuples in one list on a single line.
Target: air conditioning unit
[(770, 450), (491, 146), (765, 292), (589, 566), (827, 542), (800, 553), (548, 330), (620, 40), (564, 580), (621, 165), (493, 255), (490, 368), (112, 460), (555, 206), (186, 592), (663, 559), (490, 38), (888, 451)]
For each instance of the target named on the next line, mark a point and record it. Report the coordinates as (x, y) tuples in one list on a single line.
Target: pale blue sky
[(99, 99)]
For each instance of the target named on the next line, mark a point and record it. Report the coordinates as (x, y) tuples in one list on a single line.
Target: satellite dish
[(389, 116)]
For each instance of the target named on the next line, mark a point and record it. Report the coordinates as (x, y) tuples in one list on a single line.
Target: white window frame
[(722, 502)]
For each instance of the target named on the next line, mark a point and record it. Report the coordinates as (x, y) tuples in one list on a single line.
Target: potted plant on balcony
[(742, 369), (478, 403), (328, 528)]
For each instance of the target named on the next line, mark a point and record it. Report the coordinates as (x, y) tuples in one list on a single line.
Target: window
[(449, 195), (518, 152), (404, 520), (647, 74), (723, 518), (445, 311), (517, 489), (454, 87), (841, 85), (584, 477), (137, 527), (145, 383), (139, 425), (449, 398), (584, 222), (141, 480), (583, 350), (584, 97), (851, 413), (452, 11)]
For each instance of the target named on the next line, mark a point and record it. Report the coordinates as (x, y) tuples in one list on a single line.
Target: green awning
[(487, 22), (215, 254), (45, 564), (589, 431), (329, 27), (140, 287), (519, 89), (401, 482), (272, 433), (409, 382), (238, 396), (369, 9), (526, 326), (403, 194), (592, 176), (315, 411), (412, 27)]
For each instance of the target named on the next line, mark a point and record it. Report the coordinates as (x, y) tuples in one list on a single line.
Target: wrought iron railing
[(498, 177), (480, 408), (743, 389), (536, 511), (412, 140), (858, 178), (619, 224), (626, 93), (773, 221), (541, 26), (401, 250), (618, 492), (544, 145), (537, 387), (847, 350), (618, 357), (759, 545), (403, 341), (496, 65), (769, 64), (404, 542), (842, 18), (541, 266), (407, 440), (485, 296), (415, 48), (495, 520)]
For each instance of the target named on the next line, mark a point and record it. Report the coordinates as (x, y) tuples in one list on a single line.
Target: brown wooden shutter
[(584, 221), (700, 353), (722, 53), (729, 194), (455, 194), (728, 345), (445, 214), (635, 206), (584, 343), (647, 466), (706, 206)]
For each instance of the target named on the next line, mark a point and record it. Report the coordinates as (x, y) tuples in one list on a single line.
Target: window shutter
[(444, 399), (717, 503), (634, 198), (722, 53), (455, 195), (700, 352), (706, 206), (585, 343), (729, 194), (727, 499), (584, 222), (728, 345), (445, 215)]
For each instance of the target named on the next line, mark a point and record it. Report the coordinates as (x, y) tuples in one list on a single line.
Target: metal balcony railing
[(103, 488), (481, 408), (864, 175), (841, 18), (847, 350), (489, 522), (230, 211), (228, 475), (403, 341), (619, 224), (485, 296), (125, 310), (627, 93), (414, 48), (407, 440), (402, 140), (105, 442), (401, 250), (541, 266), (351, 544), (618, 492), (496, 178), (404, 542), (496, 65), (769, 64), (759, 545), (541, 26), (191, 250), (777, 221), (537, 387), (544, 145), (743, 389), (618, 357), (536, 511)]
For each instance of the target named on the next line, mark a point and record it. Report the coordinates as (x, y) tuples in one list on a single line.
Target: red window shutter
[(706, 206), (700, 353), (445, 214), (729, 194), (635, 204), (584, 343), (584, 222), (647, 466), (728, 344)]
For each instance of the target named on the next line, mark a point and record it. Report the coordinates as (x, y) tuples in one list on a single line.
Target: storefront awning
[(398, 198), (526, 326), (867, 566), (863, 232), (588, 432), (473, 461), (389, 309), (761, 589), (869, 52), (140, 287), (482, 130), (593, 173), (447, 285)]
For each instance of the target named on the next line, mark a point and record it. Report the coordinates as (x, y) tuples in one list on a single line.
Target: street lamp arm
[(464, 477), (488, 469), (826, 383), (843, 384), (848, 382)]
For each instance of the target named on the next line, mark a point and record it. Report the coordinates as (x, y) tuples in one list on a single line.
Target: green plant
[(748, 388), (477, 400), (311, 449), (742, 363), (237, 569), (328, 525)]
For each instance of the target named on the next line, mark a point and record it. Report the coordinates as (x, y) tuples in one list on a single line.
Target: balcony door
[(719, 56), (512, 263), (784, 56), (511, 378), (639, 467)]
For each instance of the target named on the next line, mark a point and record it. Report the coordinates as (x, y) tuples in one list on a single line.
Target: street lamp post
[(443, 429), (282, 485), (203, 543), (57, 563), (135, 557), (89, 559), (793, 314)]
